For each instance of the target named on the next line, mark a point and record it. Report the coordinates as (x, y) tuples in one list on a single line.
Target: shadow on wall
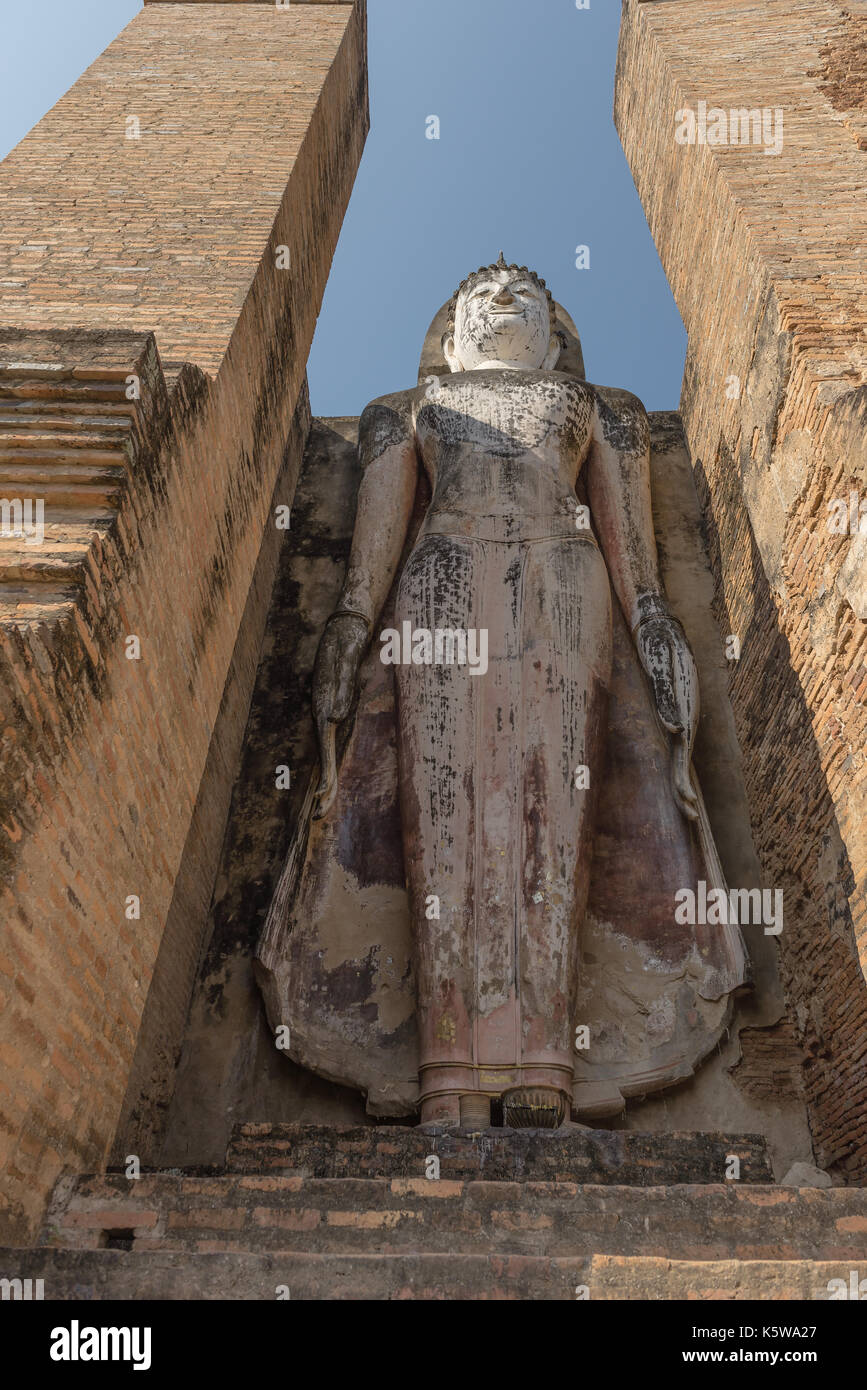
[(796, 834), (230, 1070)]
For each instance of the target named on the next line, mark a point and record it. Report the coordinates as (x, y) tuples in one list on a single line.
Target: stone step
[(60, 564), (52, 480), (265, 1213), (86, 488), (60, 558), (61, 451), (25, 602), (108, 1274), (648, 1280), (61, 374), (622, 1157), (25, 419), (39, 477), (51, 418), (39, 389), (25, 445)]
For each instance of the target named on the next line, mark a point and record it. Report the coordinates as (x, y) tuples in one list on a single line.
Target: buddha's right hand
[(334, 679)]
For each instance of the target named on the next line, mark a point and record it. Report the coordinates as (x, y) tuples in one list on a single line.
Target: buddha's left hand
[(668, 661)]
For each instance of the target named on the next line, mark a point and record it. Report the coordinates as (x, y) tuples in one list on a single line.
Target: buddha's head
[(502, 316)]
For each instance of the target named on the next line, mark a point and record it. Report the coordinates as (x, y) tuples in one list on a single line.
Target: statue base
[(609, 1157)]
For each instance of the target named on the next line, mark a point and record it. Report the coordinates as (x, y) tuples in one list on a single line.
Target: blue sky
[(528, 160)]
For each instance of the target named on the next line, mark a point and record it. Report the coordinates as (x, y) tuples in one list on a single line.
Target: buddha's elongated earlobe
[(448, 346), (555, 349)]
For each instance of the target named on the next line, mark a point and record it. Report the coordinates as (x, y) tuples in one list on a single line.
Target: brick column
[(168, 230), (764, 254)]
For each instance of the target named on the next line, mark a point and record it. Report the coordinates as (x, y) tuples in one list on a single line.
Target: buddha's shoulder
[(615, 400), (388, 414), (398, 408), (394, 400)]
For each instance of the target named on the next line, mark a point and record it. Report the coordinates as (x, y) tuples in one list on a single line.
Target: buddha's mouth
[(506, 309)]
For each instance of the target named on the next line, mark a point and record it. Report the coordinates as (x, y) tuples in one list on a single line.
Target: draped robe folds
[(434, 933)]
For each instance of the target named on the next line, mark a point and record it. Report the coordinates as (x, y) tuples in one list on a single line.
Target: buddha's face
[(502, 320)]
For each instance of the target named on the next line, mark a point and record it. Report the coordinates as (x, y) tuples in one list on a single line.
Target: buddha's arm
[(386, 448), (618, 481), (387, 453)]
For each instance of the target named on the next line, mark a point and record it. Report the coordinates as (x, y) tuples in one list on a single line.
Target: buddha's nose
[(505, 297)]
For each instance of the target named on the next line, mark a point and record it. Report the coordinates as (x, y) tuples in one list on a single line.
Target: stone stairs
[(77, 1275), (520, 1222), (70, 439), (358, 1216)]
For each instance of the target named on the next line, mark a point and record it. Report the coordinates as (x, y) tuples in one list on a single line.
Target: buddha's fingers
[(681, 780), (327, 789)]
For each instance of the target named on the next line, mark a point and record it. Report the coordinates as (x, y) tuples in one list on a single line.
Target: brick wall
[(764, 254), (124, 258), (165, 232)]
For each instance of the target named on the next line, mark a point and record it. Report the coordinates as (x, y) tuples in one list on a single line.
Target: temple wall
[(148, 266), (764, 254)]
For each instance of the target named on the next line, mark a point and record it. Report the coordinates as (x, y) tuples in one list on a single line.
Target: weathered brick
[(764, 255), (113, 1218), (440, 1189), (304, 1220), (118, 779), (371, 1220), (209, 1220)]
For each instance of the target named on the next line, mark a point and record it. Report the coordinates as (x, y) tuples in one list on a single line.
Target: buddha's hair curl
[(484, 272)]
